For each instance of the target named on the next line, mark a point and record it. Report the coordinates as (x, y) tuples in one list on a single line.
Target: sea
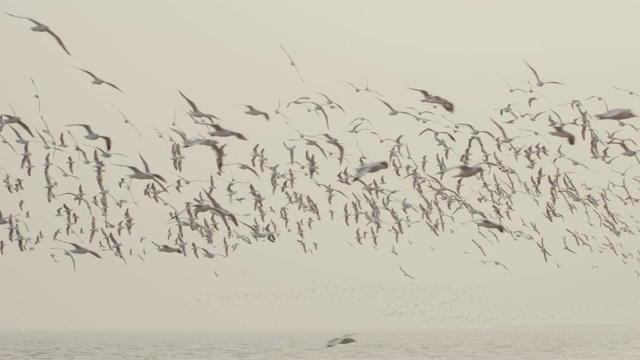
[(506, 342)]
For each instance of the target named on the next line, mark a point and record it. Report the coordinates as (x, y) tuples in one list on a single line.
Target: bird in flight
[(97, 80), (40, 27), (93, 136), (292, 63), (405, 273), (539, 82)]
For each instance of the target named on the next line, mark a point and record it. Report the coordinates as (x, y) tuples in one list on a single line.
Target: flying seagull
[(97, 80), (93, 136), (617, 114), (539, 82), (292, 63), (42, 28), (434, 99)]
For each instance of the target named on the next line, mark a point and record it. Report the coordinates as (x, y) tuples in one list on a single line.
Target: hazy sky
[(225, 53)]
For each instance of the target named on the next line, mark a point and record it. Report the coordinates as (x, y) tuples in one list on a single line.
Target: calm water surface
[(578, 342)]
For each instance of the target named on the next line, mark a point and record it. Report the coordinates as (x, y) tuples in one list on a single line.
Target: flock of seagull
[(377, 198)]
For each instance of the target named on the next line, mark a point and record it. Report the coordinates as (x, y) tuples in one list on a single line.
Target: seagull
[(405, 273), (225, 133), (632, 93), (489, 224), (333, 141), (42, 28), (434, 99), (146, 175), (466, 170), (344, 339), (97, 80), (617, 114), (93, 136), (77, 249), (195, 112), (253, 111), (564, 134), (292, 63), (12, 119), (497, 263), (67, 253), (208, 254), (539, 82), (370, 168)]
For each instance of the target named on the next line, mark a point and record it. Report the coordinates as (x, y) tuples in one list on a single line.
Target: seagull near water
[(40, 27), (344, 339)]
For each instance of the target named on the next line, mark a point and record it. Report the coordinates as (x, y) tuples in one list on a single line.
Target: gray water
[(576, 342)]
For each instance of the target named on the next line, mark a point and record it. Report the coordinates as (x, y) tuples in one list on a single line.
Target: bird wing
[(113, 86), (87, 72), (24, 17), (191, 103), (534, 71), (146, 166), (107, 140)]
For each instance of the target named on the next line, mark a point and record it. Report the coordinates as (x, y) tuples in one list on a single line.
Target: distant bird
[(252, 111), (490, 225), (195, 112), (466, 170), (219, 131), (564, 134), (77, 249), (292, 63), (632, 93), (540, 83), (617, 114), (496, 263), (40, 27), (13, 119), (434, 99), (345, 339), (146, 174), (97, 80), (370, 168), (405, 273), (93, 136)]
